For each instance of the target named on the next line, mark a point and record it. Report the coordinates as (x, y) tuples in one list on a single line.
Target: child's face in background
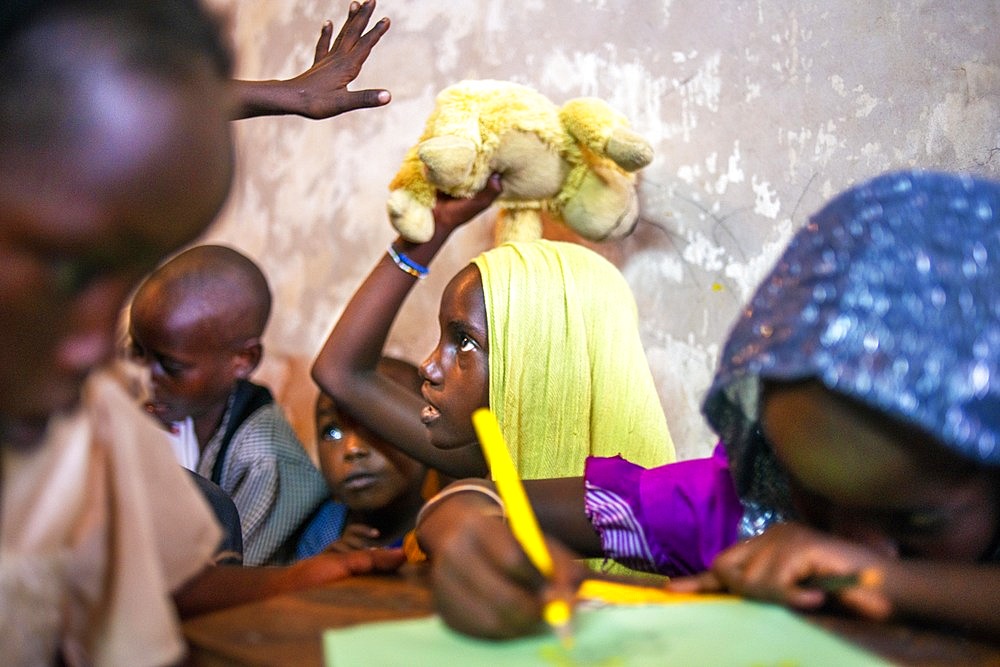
[(867, 478), (456, 374), (191, 369), (362, 471), (78, 230)]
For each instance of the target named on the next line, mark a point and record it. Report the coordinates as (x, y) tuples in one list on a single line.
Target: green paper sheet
[(699, 633)]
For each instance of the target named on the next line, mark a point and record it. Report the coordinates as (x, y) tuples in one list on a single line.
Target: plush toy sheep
[(576, 162)]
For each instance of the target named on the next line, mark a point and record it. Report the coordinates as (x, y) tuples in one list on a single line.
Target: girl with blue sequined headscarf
[(859, 398), (858, 404)]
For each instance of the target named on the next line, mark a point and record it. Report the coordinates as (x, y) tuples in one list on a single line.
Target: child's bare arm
[(321, 91), (559, 505), (778, 565), (345, 368), (221, 586), (958, 594)]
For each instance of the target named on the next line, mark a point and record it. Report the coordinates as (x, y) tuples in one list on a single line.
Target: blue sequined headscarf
[(890, 295)]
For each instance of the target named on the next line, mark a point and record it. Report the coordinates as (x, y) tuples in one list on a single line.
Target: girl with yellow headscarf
[(568, 376)]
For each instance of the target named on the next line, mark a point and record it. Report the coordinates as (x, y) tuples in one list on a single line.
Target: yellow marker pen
[(521, 517), (621, 593)]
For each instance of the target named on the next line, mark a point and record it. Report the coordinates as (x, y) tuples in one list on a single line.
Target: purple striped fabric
[(672, 520)]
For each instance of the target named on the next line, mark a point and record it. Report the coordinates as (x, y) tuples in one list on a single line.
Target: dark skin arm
[(346, 366), (774, 566), (483, 583), (219, 586), (558, 504), (320, 91)]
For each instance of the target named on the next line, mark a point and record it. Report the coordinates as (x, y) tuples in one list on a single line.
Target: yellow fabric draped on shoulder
[(568, 373)]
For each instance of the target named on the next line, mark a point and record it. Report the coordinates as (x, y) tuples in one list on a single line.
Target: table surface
[(286, 629)]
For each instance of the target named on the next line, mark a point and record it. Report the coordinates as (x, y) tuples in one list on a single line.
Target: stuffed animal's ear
[(628, 150), (594, 124)]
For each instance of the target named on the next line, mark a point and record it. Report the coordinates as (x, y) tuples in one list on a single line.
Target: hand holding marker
[(524, 525)]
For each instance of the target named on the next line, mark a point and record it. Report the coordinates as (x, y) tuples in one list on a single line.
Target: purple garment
[(673, 519)]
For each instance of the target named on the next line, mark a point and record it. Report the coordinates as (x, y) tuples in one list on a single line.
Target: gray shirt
[(272, 481)]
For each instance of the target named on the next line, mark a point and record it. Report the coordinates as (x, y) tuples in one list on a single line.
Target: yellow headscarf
[(568, 373)]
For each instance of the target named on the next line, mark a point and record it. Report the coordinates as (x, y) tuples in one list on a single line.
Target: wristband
[(405, 264), (460, 488)]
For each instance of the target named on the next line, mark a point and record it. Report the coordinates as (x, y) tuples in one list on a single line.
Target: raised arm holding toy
[(346, 366), (544, 333)]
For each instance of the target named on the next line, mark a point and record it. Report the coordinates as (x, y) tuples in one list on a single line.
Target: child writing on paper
[(376, 490), (543, 333), (857, 399), (196, 323)]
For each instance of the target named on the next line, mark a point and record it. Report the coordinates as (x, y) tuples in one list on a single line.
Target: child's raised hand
[(778, 565), (324, 85), (453, 212)]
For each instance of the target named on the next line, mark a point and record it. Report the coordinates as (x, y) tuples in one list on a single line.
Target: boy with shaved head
[(196, 324)]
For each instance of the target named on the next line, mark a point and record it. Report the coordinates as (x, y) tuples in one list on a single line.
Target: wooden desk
[(286, 630)]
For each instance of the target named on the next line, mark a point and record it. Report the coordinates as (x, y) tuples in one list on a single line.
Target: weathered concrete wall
[(758, 111)]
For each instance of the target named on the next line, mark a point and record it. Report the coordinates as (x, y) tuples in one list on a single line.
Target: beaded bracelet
[(407, 265), (460, 488)]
